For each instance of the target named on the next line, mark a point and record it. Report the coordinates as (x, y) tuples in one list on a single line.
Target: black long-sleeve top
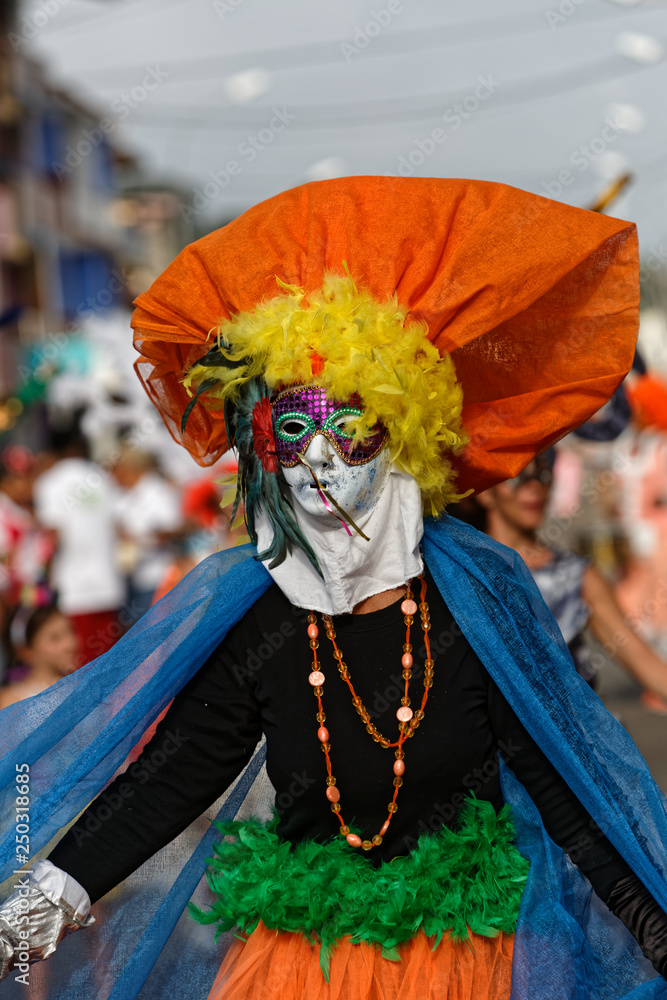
[(257, 681)]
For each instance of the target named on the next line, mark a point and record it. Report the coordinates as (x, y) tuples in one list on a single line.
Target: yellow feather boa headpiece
[(344, 340)]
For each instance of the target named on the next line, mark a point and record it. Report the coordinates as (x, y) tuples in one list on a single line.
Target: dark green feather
[(209, 383)]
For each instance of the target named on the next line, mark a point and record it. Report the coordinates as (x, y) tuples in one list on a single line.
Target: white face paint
[(356, 488)]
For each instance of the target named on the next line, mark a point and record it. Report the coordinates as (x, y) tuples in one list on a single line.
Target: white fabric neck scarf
[(353, 568)]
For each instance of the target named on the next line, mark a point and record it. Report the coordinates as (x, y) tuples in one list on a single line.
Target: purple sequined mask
[(304, 411)]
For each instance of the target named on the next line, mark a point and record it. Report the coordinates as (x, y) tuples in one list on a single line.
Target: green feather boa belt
[(455, 881)]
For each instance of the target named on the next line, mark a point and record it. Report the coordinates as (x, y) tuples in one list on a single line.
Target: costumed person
[(425, 803), (575, 592)]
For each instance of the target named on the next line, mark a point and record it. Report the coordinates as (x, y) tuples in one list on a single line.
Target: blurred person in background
[(25, 549), (148, 516), (642, 476), (45, 642), (74, 500), (207, 529), (575, 592), (16, 522)]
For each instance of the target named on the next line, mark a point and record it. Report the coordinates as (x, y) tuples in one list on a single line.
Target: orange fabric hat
[(537, 302)]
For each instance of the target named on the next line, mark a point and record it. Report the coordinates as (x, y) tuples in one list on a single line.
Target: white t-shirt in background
[(151, 506), (75, 498)]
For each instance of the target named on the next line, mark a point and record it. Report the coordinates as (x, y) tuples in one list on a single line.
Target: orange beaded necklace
[(408, 721)]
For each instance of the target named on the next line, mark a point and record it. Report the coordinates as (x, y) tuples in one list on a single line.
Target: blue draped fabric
[(77, 734)]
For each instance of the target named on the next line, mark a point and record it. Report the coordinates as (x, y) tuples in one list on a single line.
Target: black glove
[(632, 903)]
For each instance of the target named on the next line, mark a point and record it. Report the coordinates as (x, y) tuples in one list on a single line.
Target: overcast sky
[(519, 91)]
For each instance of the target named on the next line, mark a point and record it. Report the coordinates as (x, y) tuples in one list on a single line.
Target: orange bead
[(406, 661), (353, 840), (313, 631), (399, 767), (333, 794), (323, 734), (404, 714), (316, 678), (384, 828), (409, 607)]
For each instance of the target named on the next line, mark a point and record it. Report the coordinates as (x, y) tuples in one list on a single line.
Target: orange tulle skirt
[(272, 965)]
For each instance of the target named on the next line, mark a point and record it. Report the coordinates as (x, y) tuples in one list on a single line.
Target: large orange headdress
[(536, 302)]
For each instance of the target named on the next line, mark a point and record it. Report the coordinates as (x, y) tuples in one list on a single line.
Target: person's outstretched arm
[(612, 628), (571, 827), (202, 744)]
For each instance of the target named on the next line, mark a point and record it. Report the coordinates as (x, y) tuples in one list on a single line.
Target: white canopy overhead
[(236, 100)]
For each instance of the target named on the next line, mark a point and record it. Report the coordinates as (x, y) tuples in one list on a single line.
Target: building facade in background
[(82, 229)]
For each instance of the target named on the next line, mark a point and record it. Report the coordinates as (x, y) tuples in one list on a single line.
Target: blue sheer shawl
[(78, 734)]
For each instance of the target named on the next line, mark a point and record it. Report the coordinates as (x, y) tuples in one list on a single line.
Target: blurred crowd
[(87, 548), (589, 520)]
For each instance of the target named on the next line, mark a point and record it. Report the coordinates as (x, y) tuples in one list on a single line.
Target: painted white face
[(356, 488)]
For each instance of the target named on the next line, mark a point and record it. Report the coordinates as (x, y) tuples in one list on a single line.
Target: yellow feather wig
[(342, 339)]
